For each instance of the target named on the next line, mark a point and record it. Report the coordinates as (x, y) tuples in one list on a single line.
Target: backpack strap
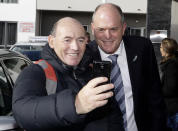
[(51, 79)]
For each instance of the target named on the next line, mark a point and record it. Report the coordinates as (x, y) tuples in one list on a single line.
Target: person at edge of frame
[(169, 80)]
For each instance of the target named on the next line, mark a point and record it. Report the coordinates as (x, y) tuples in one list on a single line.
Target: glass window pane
[(15, 66), (8, 1), (12, 33), (5, 94), (21, 48), (136, 32), (2, 26), (37, 48)]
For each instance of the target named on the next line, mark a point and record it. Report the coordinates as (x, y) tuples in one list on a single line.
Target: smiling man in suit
[(141, 101)]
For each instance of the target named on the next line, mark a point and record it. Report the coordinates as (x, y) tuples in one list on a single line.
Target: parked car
[(11, 64), (31, 49)]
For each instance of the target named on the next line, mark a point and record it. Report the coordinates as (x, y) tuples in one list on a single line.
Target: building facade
[(22, 19), (17, 21), (48, 12)]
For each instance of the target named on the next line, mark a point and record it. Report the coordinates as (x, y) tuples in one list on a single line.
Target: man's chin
[(73, 63), (108, 50)]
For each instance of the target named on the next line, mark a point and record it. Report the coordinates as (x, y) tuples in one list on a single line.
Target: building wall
[(50, 11), (46, 19), (24, 13), (128, 6), (174, 21), (135, 20)]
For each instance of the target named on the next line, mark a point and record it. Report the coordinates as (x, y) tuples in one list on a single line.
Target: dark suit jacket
[(149, 107)]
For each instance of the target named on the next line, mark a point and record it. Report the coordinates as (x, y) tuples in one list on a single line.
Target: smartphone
[(102, 68)]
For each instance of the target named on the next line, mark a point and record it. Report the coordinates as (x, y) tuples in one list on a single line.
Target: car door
[(10, 69), (5, 93)]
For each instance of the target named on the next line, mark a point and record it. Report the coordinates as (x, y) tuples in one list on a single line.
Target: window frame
[(6, 69), (9, 1)]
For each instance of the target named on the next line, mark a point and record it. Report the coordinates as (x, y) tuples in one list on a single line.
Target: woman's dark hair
[(170, 47)]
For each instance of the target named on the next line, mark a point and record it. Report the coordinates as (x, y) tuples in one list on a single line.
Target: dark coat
[(170, 84), (149, 106), (35, 111)]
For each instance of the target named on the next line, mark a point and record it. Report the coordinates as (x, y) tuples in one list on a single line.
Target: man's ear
[(124, 27), (92, 28), (51, 41)]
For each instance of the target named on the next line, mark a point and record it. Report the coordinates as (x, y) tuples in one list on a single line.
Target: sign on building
[(28, 27)]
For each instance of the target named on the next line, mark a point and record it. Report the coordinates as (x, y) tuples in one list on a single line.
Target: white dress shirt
[(122, 62)]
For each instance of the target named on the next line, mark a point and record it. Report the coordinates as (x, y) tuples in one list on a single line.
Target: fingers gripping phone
[(102, 68)]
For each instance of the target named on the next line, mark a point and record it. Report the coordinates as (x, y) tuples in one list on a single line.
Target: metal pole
[(5, 35)]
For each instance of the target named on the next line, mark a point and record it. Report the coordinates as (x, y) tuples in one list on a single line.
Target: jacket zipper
[(74, 75)]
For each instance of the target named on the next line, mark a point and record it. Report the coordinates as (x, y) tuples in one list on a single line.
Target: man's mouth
[(107, 41), (73, 54)]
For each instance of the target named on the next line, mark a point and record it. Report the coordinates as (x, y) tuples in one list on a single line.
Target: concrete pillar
[(158, 15), (158, 18)]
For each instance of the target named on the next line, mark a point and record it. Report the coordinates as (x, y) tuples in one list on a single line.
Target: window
[(5, 94), (15, 66), (2, 25), (85, 27), (8, 33), (10, 68), (8, 1), (136, 31)]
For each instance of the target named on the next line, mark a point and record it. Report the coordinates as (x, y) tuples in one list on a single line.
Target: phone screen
[(102, 68)]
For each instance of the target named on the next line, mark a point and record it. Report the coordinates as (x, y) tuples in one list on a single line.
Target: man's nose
[(74, 45), (107, 34)]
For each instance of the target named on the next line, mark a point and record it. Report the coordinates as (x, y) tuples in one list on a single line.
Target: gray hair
[(53, 31)]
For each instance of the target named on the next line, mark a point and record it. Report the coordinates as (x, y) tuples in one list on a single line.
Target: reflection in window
[(15, 66), (5, 94)]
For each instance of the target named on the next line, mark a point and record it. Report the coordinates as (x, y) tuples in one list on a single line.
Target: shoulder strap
[(51, 79)]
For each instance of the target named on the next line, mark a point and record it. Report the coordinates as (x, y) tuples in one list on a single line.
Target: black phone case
[(102, 68)]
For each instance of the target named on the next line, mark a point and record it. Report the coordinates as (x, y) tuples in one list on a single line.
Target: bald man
[(75, 105), (139, 97)]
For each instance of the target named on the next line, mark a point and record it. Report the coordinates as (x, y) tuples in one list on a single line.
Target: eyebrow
[(82, 37), (69, 37), (107, 28)]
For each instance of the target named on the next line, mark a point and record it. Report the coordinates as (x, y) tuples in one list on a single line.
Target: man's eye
[(81, 40), (114, 29), (100, 30), (67, 40)]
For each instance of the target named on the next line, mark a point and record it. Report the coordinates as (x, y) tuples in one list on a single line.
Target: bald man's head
[(108, 7), (66, 21), (108, 27), (68, 40)]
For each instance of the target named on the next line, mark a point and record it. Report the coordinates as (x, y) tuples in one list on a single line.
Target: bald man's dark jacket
[(34, 110), (149, 107)]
